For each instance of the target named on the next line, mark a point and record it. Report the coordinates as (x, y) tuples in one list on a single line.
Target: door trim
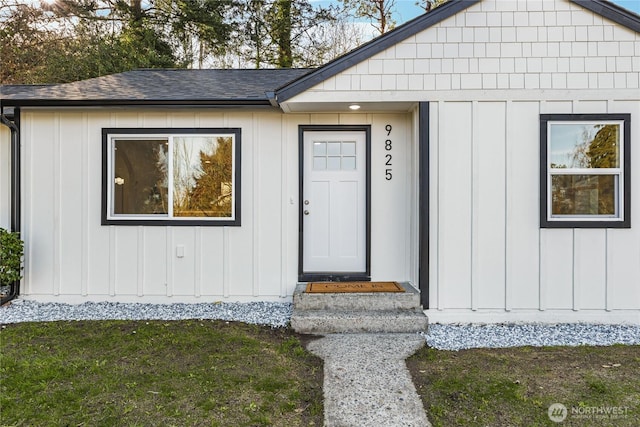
[(327, 275)]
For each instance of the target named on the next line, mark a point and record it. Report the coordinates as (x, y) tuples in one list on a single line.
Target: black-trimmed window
[(585, 170), (177, 176)]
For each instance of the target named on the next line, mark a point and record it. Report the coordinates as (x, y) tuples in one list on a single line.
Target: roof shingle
[(160, 85)]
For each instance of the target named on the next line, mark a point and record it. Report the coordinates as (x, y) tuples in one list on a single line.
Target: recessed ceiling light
[(354, 107)]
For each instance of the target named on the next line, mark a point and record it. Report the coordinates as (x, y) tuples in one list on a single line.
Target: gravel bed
[(459, 337), (439, 336), (259, 313)]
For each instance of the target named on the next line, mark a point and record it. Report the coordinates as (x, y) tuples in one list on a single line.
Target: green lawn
[(516, 386), (156, 373)]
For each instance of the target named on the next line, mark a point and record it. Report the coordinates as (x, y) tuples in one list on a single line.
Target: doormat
[(349, 287)]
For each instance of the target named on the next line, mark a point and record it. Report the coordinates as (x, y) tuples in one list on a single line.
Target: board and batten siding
[(490, 260), (5, 177), (71, 257)]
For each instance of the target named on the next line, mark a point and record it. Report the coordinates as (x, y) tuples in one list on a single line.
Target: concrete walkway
[(367, 383)]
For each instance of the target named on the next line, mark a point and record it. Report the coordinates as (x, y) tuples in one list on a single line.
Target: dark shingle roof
[(163, 87)]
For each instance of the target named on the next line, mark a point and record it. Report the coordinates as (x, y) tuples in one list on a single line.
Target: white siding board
[(590, 269), (522, 230), (154, 267), (69, 194), (212, 261), (435, 292), (5, 177), (271, 202), (126, 260), (455, 205), (41, 235), (389, 201), (623, 279), (183, 268), (556, 258), (489, 205)]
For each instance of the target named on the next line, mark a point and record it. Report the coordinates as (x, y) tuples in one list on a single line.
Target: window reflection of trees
[(588, 194), (202, 176), (140, 179)]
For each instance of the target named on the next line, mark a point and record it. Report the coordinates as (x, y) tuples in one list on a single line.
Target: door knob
[(306, 212)]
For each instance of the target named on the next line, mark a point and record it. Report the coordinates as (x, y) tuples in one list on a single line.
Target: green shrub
[(11, 251)]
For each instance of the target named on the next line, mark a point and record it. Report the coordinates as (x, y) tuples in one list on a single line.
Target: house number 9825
[(388, 146)]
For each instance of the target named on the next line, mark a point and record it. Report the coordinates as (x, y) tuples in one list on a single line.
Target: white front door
[(334, 204)]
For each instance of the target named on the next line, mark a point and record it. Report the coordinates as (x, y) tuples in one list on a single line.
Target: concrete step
[(358, 321), (368, 301)]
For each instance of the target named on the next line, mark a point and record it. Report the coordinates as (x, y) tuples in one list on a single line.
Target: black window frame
[(625, 197), (164, 221)]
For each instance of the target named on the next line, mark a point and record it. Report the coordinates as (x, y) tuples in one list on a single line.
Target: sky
[(407, 9)]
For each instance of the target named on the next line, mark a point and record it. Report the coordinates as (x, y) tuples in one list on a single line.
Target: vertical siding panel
[(141, 264), (590, 273), (183, 268), (624, 269), (226, 267), (435, 136), (257, 205), (197, 262), (170, 278), (389, 204), (557, 268), (99, 245), (489, 204), (113, 261), (126, 255), (55, 179), (270, 200), (40, 231), (5, 177), (287, 130), (154, 261), (522, 222), (212, 261), (455, 205), (84, 208), (70, 257)]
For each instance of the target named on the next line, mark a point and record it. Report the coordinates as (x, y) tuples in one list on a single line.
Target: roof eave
[(612, 12), (135, 102)]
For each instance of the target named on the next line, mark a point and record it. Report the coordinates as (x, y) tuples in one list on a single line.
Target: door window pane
[(348, 148), (333, 148), (319, 148), (333, 163), (348, 163), (319, 163)]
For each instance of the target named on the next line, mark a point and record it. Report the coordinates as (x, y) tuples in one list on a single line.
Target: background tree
[(379, 12), (429, 5)]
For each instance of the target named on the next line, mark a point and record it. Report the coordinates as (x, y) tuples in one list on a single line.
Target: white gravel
[(459, 337), (440, 336), (259, 313)]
